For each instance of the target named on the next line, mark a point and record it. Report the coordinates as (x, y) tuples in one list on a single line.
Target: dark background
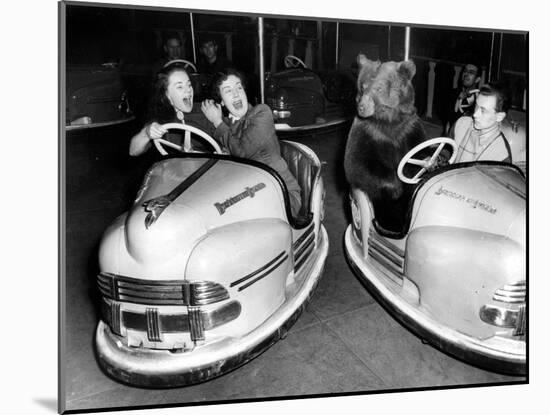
[(132, 38)]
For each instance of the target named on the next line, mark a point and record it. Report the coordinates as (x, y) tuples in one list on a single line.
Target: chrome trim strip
[(115, 319), (206, 292), (383, 252), (509, 298), (373, 236), (520, 286), (196, 327), (302, 237), (521, 321), (269, 271), (386, 254), (246, 277), (304, 247), (388, 266), (171, 323), (511, 293), (298, 264), (153, 324), (156, 206), (167, 292)]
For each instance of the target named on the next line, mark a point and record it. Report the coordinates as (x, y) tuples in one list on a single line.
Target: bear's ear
[(407, 69), (363, 61)]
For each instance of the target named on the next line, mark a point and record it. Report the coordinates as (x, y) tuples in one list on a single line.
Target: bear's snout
[(365, 106)]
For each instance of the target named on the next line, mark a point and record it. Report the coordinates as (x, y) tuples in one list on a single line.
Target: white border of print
[(29, 207)]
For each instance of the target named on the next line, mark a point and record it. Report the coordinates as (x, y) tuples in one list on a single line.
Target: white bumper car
[(208, 268), (456, 274)]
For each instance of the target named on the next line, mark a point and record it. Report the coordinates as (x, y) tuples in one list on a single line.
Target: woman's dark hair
[(160, 108), (222, 76)]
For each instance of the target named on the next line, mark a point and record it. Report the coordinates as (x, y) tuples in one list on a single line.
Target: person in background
[(172, 48), (171, 101), (209, 62), (479, 137), (247, 131), (464, 97)]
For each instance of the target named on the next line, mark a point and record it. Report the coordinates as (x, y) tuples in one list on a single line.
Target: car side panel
[(252, 260), (457, 271)]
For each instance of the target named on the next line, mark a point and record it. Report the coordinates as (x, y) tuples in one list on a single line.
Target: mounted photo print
[(272, 207)]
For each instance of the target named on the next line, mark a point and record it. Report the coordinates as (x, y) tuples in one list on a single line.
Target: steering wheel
[(427, 163), (187, 140), (292, 61), (185, 63)]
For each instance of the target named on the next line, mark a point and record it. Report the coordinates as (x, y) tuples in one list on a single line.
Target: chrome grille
[(521, 322), (303, 247), (511, 293), (386, 254), (167, 292)]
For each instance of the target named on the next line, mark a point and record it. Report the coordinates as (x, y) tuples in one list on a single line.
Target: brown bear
[(385, 129)]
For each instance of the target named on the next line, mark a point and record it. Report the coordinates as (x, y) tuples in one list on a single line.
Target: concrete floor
[(344, 342)]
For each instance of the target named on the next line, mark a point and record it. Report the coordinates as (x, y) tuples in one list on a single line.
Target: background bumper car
[(302, 99), (95, 97)]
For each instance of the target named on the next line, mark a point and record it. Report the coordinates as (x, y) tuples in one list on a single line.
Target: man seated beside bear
[(480, 137)]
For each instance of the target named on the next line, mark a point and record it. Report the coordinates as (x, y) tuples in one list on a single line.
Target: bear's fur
[(385, 129)]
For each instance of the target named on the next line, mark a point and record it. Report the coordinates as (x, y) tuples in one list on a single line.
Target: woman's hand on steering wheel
[(155, 131)]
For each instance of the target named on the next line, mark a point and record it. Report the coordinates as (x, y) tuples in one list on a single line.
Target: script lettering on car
[(248, 192)]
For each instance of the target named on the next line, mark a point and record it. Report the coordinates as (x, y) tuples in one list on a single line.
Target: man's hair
[(207, 39), (170, 35), (499, 92), (478, 67)]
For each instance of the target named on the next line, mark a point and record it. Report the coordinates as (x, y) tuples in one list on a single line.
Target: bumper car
[(455, 274), (208, 268), (95, 97), (302, 99)]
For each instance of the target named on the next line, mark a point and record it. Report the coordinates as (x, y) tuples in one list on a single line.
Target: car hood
[(182, 199), (484, 197)]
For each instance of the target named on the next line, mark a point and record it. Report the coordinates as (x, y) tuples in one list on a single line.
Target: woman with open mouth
[(172, 101), (247, 131)]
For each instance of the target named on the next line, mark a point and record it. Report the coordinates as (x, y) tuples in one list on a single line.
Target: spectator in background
[(172, 48), (479, 137), (464, 97), (209, 61)]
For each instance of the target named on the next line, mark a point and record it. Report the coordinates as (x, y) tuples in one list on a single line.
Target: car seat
[(305, 169)]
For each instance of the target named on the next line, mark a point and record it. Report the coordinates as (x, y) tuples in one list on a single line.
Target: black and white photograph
[(285, 209)]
